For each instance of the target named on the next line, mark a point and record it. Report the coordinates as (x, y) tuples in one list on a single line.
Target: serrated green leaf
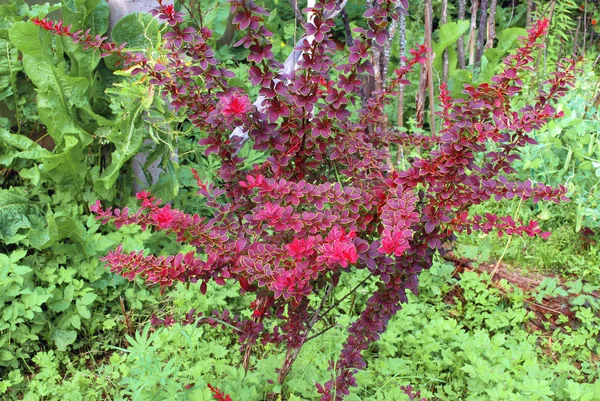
[(58, 98), (127, 137), (6, 356), (83, 62), (28, 148), (21, 270), (32, 174), (17, 255)]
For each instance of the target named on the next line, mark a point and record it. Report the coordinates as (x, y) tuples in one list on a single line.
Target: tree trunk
[(481, 33), (402, 35), (443, 20), (460, 44), (529, 15), (428, 43), (474, 9), (402, 51), (491, 25), (585, 26)]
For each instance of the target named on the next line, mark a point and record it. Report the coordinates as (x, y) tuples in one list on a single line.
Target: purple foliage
[(325, 202)]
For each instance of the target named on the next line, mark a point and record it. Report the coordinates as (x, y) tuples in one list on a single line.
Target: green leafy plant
[(55, 295)]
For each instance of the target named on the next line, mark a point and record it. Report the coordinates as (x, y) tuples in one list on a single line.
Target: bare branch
[(460, 44), (335, 12), (297, 13), (481, 32), (429, 44), (474, 9), (491, 25), (347, 29), (443, 20)]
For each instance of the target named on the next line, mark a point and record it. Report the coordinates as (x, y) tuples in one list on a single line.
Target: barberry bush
[(325, 202)]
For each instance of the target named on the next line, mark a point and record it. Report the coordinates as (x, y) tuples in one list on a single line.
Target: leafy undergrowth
[(567, 152), (567, 252), (475, 346)]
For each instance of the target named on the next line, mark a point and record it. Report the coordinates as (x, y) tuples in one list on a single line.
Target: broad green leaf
[(457, 80), (507, 41), (139, 30), (63, 338), (508, 38), (448, 35), (86, 14), (452, 60), (585, 165), (9, 67), (41, 10), (83, 311), (58, 98), (14, 211), (88, 298), (69, 292), (167, 186), (75, 322), (31, 40), (60, 306), (83, 62)]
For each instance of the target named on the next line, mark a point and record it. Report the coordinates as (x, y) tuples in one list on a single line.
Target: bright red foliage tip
[(43, 23), (218, 395), (301, 247), (235, 105), (163, 217)]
